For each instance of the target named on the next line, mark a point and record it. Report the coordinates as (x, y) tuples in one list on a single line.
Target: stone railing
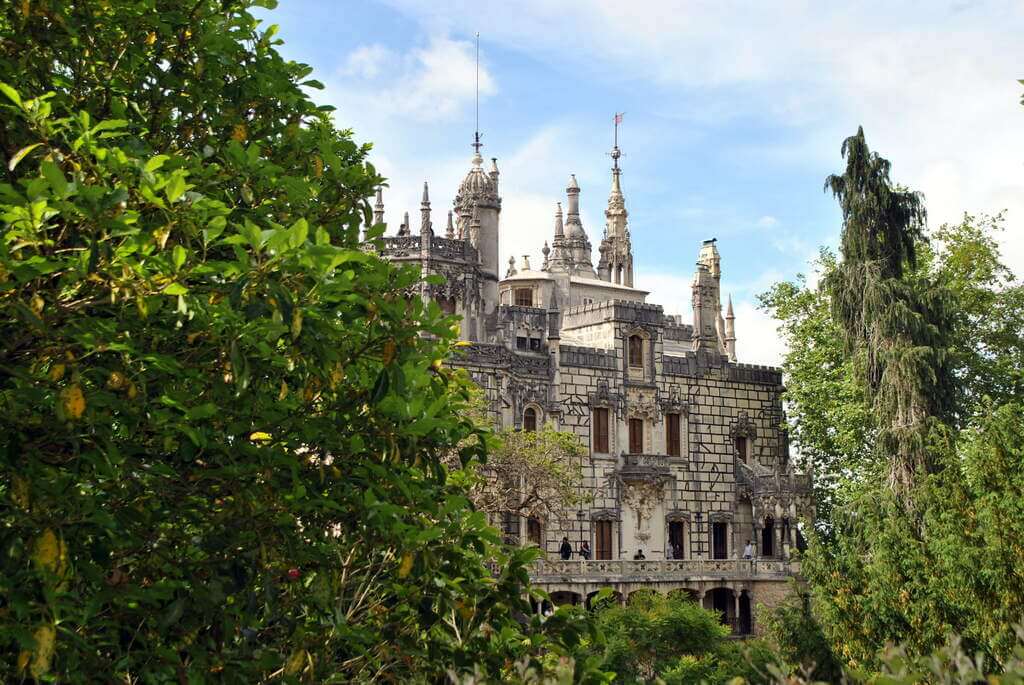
[(651, 461), (618, 570)]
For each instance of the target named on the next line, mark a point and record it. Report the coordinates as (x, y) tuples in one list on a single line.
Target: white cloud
[(935, 86), (767, 222)]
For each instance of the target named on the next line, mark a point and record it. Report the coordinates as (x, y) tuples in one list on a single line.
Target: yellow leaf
[(318, 167), (260, 436), (436, 364), (133, 392), (57, 372), (284, 391), (19, 491), (151, 38), (116, 380), (49, 554), (337, 374), (37, 303), (46, 644), (23, 658), (25, 10), (295, 662), (240, 133), (406, 566), (72, 401), (389, 352), (296, 323)]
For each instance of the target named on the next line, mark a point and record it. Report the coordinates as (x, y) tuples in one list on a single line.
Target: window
[(636, 351), (768, 538), (636, 436), (535, 344), (447, 304), (510, 528), (530, 419), (673, 444), (524, 297), (675, 539), (601, 430), (533, 531), (741, 448), (719, 543), (603, 541), (521, 342)]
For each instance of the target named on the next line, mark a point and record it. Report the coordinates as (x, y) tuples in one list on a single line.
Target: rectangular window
[(675, 539), (533, 531), (636, 436), (636, 351), (535, 344), (603, 541), (719, 543), (741, 448), (524, 297), (521, 343), (510, 527), (673, 444), (601, 430)]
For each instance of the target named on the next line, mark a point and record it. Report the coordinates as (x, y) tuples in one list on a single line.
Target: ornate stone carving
[(643, 497)]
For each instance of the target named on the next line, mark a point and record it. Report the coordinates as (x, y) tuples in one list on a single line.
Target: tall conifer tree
[(894, 324)]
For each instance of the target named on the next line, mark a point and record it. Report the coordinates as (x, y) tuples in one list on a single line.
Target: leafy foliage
[(223, 419), (658, 638)]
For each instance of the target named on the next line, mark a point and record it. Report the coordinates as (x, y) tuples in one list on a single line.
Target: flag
[(618, 118)]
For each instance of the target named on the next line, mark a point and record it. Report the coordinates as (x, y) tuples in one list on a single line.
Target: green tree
[(670, 639), (223, 420), (896, 328)]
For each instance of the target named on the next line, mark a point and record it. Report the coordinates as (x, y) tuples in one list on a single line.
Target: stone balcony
[(614, 571), (644, 466)]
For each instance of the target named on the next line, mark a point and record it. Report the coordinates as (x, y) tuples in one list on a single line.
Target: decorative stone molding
[(677, 516), (605, 515)]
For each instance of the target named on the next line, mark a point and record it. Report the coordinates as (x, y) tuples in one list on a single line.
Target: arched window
[(530, 419), (636, 351)]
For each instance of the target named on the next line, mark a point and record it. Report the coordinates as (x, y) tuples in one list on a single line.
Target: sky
[(734, 115)]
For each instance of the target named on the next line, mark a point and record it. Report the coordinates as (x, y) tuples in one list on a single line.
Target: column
[(757, 540), (736, 609)]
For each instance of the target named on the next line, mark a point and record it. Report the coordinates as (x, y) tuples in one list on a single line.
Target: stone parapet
[(632, 571), (587, 357)]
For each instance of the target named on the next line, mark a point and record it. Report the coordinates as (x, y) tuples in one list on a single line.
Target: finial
[(728, 309), (450, 229), (526, 262), (426, 195), (559, 230), (511, 267), (573, 185), (616, 153), (476, 136), (494, 165), (404, 228)]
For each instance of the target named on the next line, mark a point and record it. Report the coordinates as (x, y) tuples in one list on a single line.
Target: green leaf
[(178, 257), (156, 162), (175, 186), (10, 93), (20, 155), (55, 177), (109, 124), (175, 289), (297, 233)]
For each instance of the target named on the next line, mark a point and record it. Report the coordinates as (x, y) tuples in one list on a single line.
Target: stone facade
[(687, 457)]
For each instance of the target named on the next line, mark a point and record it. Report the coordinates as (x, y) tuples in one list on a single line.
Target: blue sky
[(734, 116)]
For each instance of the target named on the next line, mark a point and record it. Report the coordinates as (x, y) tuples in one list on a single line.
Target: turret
[(449, 231), (478, 197), (404, 228), (378, 208), (708, 327)]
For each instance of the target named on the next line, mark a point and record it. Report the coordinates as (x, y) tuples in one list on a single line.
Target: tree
[(658, 638), (223, 421), (897, 329)]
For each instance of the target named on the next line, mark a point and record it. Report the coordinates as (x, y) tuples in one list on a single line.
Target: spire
[(546, 251), (559, 229), (616, 260), (449, 231), (378, 208), (730, 331), (404, 228), (425, 211)]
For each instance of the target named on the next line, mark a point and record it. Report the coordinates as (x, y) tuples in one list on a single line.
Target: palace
[(687, 459)]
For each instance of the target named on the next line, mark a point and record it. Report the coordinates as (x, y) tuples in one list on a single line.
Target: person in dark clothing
[(566, 549), (639, 555), (585, 550)]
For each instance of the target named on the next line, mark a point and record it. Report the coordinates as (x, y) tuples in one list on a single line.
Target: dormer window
[(524, 297), (636, 351)]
